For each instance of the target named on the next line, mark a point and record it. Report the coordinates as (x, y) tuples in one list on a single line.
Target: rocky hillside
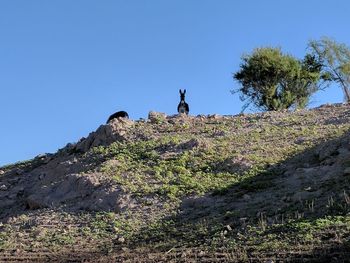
[(252, 187)]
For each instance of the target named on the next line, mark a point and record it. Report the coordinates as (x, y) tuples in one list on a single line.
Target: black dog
[(119, 114), (183, 106)]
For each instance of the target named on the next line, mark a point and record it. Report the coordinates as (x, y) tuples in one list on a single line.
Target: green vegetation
[(303, 232), (192, 166), (335, 59), (271, 80)]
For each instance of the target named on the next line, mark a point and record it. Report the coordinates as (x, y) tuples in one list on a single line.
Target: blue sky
[(65, 65)]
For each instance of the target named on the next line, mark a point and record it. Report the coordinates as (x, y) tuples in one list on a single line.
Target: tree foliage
[(271, 80), (335, 59)]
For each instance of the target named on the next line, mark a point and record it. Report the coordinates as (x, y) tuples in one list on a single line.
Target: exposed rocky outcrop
[(66, 178), (156, 117), (116, 130)]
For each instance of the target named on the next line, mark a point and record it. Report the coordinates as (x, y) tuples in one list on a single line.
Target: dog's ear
[(180, 91), (184, 91)]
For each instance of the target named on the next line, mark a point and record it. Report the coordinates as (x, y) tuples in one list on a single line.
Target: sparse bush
[(335, 59)]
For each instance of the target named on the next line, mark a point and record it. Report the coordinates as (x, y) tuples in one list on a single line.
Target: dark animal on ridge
[(183, 106), (119, 114)]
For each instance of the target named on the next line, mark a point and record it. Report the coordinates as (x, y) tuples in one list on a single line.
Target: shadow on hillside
[(309, 185)]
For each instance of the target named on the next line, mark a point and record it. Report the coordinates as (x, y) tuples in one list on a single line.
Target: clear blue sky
[(65, 65)]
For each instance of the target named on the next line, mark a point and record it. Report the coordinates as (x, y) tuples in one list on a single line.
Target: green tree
[(271, 80), (335, 59)]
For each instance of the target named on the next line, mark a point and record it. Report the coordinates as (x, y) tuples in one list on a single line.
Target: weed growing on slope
[(173, 171)]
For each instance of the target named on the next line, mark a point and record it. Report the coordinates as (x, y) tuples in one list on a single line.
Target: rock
[(1, 172), (347, 171), (44, 157), (300, 140), (156, 117), (40, 156), (236, 164), (189, 144), (201, 253), (309, 189), (3, 187), (214, 116), (193, 143), (121, 239), (116, 130), (228, 228)]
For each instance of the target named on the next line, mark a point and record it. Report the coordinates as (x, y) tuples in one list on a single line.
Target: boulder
[(236, 164), (115, 130), (156, 117)]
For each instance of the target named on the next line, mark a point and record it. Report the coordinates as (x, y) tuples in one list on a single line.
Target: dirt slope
[(258, 187)]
